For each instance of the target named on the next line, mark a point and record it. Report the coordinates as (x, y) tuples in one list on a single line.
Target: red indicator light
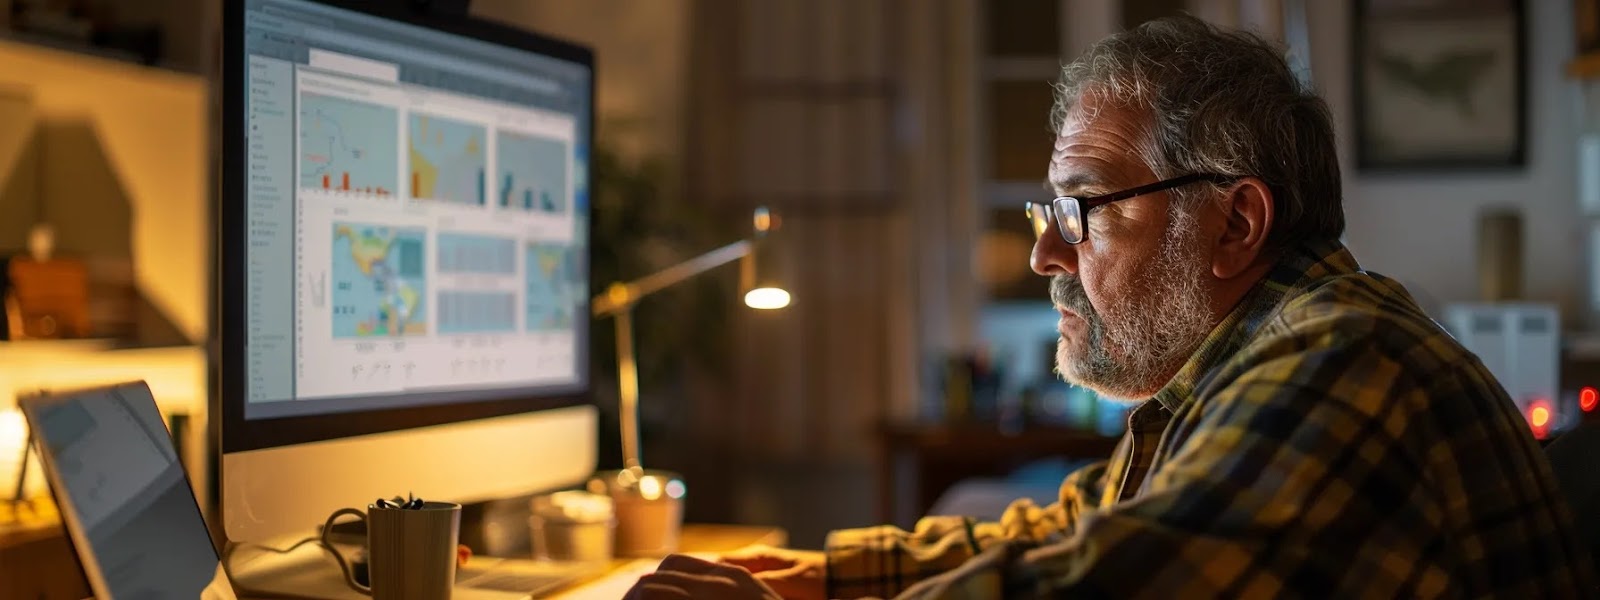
[(1539, 416), (1588, 399)]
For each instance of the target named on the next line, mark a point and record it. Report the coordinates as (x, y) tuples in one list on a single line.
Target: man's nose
[(1053, 256)]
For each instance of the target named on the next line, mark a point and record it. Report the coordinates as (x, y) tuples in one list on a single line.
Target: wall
[(176, 376), (125, 161), (641, 56), (1422, 229)]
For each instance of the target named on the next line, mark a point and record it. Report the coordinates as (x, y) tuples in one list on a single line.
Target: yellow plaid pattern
[(1328, 439)]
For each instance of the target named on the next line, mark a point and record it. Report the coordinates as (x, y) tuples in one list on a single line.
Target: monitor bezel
[(233, 432)]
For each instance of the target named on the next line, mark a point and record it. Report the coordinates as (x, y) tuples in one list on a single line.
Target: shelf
[(82, 345), (1584, 67), (1583, 346)]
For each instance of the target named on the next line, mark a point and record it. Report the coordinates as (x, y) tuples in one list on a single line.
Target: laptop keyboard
[(514, 582), (527, 577)]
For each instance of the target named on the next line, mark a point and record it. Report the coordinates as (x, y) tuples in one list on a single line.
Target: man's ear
[(1248, 209)]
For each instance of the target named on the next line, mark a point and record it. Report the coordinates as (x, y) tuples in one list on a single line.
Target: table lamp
[(649, 503)]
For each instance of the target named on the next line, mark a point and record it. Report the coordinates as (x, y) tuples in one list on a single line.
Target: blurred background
[(898, 140)]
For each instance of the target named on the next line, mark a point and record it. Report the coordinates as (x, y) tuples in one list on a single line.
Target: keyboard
[(617, 583), (529, 577)]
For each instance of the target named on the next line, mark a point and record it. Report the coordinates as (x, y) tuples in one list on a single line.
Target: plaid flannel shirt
[(1327, 439)]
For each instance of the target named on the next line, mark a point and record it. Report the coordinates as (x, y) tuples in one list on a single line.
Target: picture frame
[(1586, 25), (1439, 84)]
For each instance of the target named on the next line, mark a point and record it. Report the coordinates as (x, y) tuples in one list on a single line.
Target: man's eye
[(1099, 216)]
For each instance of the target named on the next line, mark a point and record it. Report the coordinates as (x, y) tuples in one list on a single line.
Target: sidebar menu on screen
[(269, 208)]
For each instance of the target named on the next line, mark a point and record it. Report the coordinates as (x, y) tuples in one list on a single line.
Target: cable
[(227, 551), (320, 540), (291, 548)]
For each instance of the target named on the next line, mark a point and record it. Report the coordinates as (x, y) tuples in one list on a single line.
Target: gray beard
[(1137, 345)]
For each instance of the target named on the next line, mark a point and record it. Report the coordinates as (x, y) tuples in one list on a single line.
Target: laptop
[(139, 533), (123, 494)]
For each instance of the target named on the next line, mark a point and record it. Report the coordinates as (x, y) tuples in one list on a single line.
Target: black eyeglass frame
[(1054, 208)]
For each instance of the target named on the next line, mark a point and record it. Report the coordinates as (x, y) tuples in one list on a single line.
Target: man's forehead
[(1095, 140), (1094, 111)]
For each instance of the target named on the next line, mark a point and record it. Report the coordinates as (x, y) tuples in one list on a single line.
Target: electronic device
[(403, 239), (123, 494), (1520, 344)]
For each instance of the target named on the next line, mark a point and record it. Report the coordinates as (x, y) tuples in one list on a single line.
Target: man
[(1302, 427)]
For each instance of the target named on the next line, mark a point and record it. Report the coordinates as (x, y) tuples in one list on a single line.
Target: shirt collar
[(1296, 268)]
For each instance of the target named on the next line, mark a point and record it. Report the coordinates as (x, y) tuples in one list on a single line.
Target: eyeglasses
[(1072, 214)]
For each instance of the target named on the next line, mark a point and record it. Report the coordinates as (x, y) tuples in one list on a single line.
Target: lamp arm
[(618, 301), (622, 296)]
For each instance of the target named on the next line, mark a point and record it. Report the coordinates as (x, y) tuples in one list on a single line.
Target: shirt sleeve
[(883, 561), (1258, 499)]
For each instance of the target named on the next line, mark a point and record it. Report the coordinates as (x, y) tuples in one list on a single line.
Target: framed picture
[(1586, 19), (1439, 84)]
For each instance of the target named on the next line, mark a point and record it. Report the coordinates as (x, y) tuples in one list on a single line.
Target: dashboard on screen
[(417, 215)]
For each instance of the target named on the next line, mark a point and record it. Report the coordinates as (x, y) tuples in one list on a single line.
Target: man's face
[(1135, 294)]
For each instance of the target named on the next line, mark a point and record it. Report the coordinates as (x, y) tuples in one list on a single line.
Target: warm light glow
[(13, 432), (1588, 399), (1539, 416), (763, 219), (766, 298), (13, 435), (650, 488)]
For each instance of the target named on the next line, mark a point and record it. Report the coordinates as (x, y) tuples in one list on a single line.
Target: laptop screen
[(116, 474)]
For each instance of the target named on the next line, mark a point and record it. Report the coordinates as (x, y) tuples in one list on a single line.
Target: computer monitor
[(404, 242)]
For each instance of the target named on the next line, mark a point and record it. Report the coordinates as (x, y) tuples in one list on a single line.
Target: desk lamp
[(649, 503)]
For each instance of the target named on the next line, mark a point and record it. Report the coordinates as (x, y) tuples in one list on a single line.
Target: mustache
[(1067, 292)]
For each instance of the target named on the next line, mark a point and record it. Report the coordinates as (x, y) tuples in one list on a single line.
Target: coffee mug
[(411, 552)]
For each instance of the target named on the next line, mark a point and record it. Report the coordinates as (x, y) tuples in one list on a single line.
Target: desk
[(37, 562), (695, 539), (726, 538)]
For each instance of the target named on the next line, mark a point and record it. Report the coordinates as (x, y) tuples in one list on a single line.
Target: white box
[(1520, 344)]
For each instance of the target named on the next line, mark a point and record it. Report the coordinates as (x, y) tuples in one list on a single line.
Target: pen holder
[(649, 510), (411, 550)]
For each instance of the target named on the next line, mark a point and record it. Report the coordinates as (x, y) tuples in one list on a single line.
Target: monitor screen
[(415, 216)]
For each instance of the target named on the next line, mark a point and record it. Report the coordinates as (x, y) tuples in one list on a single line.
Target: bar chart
[(347, 146), (533, 172), (447, 159)]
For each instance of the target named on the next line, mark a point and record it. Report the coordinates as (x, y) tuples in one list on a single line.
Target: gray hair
[(1223, 102)]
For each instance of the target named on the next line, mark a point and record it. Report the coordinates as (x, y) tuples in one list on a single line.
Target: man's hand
[(687, 578), (794, 574)]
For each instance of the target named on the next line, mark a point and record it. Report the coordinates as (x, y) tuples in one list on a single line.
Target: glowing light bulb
[(650, 488), (1539, 416), (1588, 399), (767, 298)]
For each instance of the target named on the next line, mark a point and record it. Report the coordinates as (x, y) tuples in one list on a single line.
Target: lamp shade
[(760, 273), (767, 298)]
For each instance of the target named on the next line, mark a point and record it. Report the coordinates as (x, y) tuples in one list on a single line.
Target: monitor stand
[(305, 572)]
